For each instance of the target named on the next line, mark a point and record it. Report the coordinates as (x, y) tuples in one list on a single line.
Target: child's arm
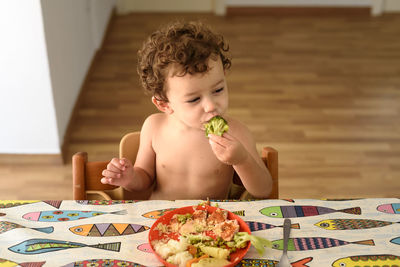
[(241, 153), (121, 172)]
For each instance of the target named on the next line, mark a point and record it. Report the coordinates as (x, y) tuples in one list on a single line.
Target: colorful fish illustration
[(239, 212), (6, 226), (368, 260), (108, 229), (395, 240), (37, 246), (4, 204), (155, 214), (351, 224), (105, 202), (103, 263), (258, 226), (66, 215), (392, 208), (54, 203), (303, 211), (9, 263), (14, 203), (145, 247), (311, 243), (271, 263)]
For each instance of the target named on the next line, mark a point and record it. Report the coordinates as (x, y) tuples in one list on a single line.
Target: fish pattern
[(10, 263), (351, 224), (37, 246), (108, 239), (312, 243), (395, 240), (4, 204), (66, 215), (6, 226), (103, 263), (155, 214), (258, 226), (145, 247), (381, 260), (303, 211), (105, 202), (108, 229), (392, 208), (271, 263)]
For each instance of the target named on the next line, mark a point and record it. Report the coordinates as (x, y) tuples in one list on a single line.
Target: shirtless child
[(183, 67)]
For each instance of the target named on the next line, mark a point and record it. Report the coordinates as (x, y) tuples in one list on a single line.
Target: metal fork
[(284, 261)]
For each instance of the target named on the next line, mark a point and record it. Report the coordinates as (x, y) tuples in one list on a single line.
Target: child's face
[(195, 99)]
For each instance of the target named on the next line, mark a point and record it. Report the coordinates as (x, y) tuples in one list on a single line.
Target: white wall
[(45, 53), (27, 120), (126, 6), (74, 30)]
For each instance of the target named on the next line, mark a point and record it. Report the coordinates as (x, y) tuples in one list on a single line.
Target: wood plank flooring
[(323, 91)]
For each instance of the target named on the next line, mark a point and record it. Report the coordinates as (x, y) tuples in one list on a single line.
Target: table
[(324, 232)]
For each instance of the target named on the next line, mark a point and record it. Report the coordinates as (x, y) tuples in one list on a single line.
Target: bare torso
[(186, 167)]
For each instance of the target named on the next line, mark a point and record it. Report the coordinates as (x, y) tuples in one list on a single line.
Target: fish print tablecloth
[(359, 232)]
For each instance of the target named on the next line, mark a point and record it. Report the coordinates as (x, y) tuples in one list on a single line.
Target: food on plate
[(217, 125), (203, 237)]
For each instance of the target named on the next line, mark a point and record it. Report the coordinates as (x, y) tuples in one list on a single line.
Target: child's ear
[(162, 105)]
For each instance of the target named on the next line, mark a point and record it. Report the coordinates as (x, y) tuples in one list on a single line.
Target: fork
[(284, 261)]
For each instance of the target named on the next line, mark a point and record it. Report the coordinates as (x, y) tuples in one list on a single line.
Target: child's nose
[(209, 105)]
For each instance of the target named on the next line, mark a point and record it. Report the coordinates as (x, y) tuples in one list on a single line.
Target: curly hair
[(185, 45)]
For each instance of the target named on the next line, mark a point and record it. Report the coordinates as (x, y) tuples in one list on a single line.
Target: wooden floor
[(323, 91)]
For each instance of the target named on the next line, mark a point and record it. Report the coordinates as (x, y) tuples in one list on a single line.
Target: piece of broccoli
[(259, 243), (217, 125)]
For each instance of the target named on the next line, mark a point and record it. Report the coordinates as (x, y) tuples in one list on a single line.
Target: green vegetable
[(182, 218), (194, 239), (217, 125), (259, 243)]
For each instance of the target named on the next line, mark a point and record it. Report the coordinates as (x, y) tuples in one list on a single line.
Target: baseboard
[(298, 11), (78, 102), (31, 159)]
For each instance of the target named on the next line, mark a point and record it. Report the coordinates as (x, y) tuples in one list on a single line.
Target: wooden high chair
[(87, 174)]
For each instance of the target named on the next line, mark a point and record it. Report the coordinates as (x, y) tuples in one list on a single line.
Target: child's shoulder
[(154, 121)]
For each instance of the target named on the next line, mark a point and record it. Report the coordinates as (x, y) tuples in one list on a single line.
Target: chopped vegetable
[(217, 125), (195, 260), (211, 262), (259, 243), (194, 239), (182, 218), (216, 252)]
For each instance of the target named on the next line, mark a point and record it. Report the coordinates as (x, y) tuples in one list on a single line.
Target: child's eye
[(219, 90), (194, 100)]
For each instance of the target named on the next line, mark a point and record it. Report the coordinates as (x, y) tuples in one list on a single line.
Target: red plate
[(154, 234)]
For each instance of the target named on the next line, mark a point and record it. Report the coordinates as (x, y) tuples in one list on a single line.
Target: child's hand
[(227, 149), (119, 172)]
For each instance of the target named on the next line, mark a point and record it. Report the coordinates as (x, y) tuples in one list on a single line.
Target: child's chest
[(182, 154)]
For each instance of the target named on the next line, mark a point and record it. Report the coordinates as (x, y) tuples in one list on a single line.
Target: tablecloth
[(115, 233)]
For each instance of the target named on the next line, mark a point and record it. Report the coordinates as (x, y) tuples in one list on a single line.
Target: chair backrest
[(270, 159), (87, 175)]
